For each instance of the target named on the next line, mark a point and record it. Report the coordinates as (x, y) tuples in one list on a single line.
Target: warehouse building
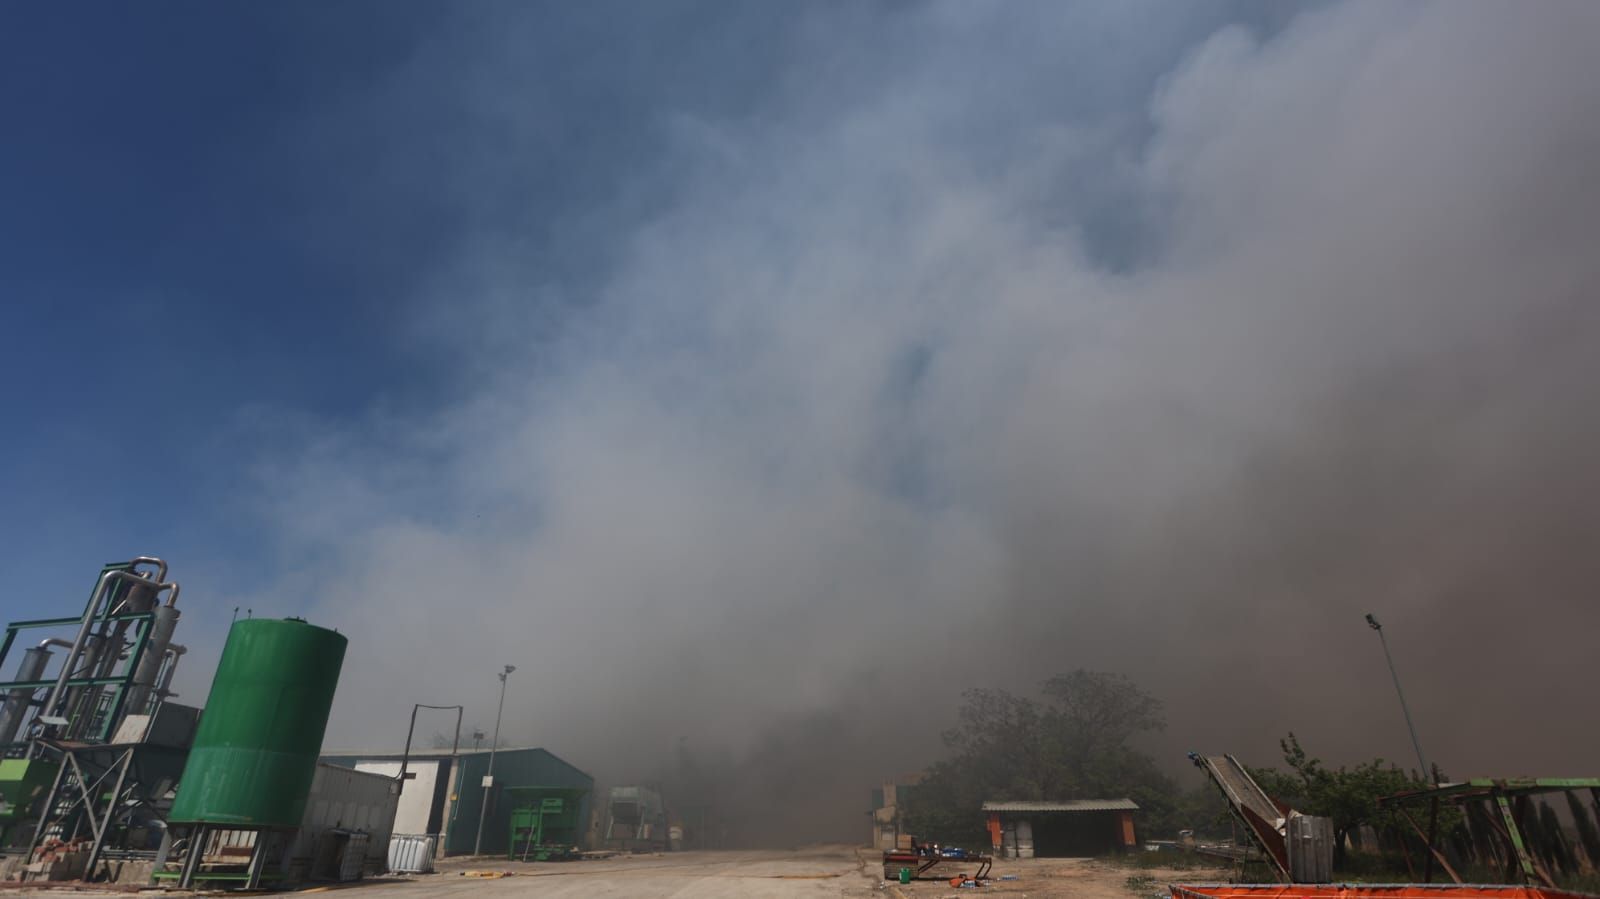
[(444, 793), (1065, 828)]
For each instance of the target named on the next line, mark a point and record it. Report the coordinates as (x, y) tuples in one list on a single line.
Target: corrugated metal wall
[(1310, 844), (512, 768), (350, 800)]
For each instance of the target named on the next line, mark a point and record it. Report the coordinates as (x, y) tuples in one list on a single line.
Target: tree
[(943, 807), (1005, 742), (1347, 796), (1073, 742), (1092, 716)]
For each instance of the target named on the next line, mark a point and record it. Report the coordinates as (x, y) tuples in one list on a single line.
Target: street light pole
[(488, 779), (1427, 772)]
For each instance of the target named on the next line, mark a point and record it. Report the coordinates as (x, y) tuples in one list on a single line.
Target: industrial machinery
[(100, 769), (546, 823), (91, 744), (244, 789), (636, 820), (1299, 846), (120, 661)]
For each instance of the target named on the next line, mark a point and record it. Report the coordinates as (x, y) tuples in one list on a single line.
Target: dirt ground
[(809, 873), (833, 871), (1057, 878)]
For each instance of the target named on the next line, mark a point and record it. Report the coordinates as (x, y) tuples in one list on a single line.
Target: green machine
[(546, 822), (22, 783)]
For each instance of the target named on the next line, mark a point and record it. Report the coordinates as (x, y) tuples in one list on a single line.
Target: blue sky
[(639, 344), (218, 214), (161, 250), (218, 219)]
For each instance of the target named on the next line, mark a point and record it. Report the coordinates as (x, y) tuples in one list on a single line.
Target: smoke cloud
[(967, 344)]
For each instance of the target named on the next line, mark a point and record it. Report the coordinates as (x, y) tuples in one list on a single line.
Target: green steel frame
[(141, 622), (1510, 798), (109, 715)]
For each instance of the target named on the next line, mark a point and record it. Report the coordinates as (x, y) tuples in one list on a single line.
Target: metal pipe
[(161, 566), (18, 699), (73, 701), (95, 600), (164, 688), (77, 642), (140, 598), (146, 674)]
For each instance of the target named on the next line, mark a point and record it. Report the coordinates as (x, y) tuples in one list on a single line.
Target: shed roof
[(1064, 805), (418, 752), (418, 755)]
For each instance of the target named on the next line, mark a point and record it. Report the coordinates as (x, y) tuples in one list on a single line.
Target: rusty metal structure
[(1496, 806), (1299, 846), (1364, 891)]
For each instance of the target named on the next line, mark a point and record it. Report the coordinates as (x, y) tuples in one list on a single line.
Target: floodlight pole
[(488, 779), (1427, 772)]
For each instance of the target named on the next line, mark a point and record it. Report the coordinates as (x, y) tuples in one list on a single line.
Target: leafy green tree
[(1347, 796), (1072, 742)]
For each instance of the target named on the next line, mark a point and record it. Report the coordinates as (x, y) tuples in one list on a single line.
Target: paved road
[(813, 872)]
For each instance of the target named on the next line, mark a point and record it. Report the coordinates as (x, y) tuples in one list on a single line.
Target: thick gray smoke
[(924, 372)]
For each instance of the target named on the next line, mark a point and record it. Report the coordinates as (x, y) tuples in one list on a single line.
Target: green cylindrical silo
[(256, 750)]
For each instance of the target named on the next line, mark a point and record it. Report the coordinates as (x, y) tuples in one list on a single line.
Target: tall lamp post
[(488, 779), (1427, 772)]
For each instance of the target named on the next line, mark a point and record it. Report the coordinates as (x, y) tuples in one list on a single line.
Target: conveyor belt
[(1262, 816)]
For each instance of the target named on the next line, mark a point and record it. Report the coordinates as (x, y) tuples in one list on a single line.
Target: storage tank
[(255, 753)]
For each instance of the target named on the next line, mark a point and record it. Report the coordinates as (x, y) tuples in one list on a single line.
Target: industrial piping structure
[(77, 738), (96, 760), (122, 656)]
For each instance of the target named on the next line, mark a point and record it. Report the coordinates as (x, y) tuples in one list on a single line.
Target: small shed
[(1060, 828)]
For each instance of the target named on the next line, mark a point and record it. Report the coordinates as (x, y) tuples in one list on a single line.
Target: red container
[(1365, 891)]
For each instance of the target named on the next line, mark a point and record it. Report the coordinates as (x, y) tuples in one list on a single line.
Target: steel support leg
[(162, 854), (258, 860), (104, 826), (197, 851)]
